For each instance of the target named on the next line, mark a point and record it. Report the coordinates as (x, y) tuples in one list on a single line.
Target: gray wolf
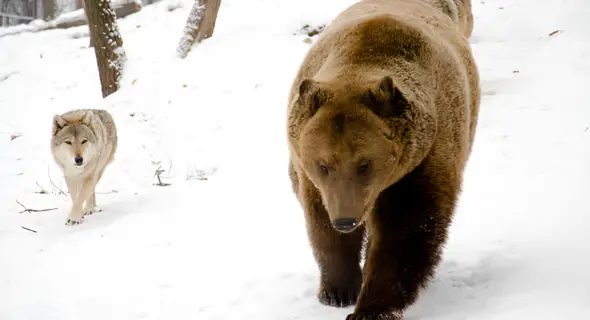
[(83, 144)]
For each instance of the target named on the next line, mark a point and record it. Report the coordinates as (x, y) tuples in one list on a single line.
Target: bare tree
[(71, 19), (199, 25), (108, 45), (13, 12), (49, 9)]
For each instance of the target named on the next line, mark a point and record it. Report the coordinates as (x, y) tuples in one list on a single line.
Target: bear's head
[(351, 144)]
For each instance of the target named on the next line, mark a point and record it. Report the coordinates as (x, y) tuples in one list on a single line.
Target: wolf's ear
[(312, 95), (385, 99), (58, 123), (88, 118)]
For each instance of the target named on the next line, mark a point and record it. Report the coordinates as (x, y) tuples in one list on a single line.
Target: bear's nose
[(344, 224), (78, 160)]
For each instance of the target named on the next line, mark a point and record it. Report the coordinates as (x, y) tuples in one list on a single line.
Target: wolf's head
[(74, 143)]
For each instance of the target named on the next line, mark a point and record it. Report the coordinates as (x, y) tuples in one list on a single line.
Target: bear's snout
[(344, 224), (345, 205)]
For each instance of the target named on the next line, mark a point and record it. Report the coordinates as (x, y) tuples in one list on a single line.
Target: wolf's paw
[(92, 210), (72, 222)]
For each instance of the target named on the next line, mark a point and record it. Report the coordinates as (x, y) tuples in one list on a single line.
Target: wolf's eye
[(324, 170), (84, 141), (68, 142)]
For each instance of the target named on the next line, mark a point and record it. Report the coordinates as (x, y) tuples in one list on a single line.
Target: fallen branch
[(14, 16), (75, 18), (7, 75), (29, 229), (33, 210), (112, 191), (170, 168), (43, 191)]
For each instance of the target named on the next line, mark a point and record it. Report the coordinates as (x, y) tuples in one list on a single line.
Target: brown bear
[(381, 120)]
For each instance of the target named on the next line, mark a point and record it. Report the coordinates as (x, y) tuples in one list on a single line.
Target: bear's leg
[(337, 254), (407, 229)]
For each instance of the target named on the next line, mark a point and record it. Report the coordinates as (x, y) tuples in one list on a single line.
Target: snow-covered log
[(199, 25), (75, 18), (108, 45)]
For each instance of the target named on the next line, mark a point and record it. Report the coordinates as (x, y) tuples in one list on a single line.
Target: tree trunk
[(48, 9), (79, 4), (108, 45), (199, 25)]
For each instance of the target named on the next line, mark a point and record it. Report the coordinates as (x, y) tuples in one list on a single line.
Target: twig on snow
[(112, 191), (35, 231), (170, 168), (33, 210), (53, 184), (157, 174), (43, 191), (7, 75)]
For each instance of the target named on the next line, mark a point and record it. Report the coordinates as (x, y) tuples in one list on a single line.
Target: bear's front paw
[(378, 315), (339, 296)]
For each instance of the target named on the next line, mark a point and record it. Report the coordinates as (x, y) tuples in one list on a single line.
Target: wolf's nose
[(78, 160), (344, 224)]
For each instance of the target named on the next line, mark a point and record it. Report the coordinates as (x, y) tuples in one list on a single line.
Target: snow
[(32, 26), (234, 246)]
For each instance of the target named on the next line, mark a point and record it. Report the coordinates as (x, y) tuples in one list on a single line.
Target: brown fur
[(381, 120), (459, 11)]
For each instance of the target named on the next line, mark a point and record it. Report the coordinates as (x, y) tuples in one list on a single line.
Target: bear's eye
[(84, 141), (363, 168), (324, 170), (68, 142)]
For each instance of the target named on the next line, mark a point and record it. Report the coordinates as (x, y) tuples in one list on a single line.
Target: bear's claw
[(338, 297), (375, 316)]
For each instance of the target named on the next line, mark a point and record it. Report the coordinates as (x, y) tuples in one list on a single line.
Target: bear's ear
[(387, 91), (385, 100), (311, 94), (58, 124)]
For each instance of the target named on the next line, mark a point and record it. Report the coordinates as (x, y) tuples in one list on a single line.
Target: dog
[(83, 144)]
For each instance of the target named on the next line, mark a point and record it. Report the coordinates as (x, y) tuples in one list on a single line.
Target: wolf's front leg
[(72, 188), (85, 190), (91, 206)]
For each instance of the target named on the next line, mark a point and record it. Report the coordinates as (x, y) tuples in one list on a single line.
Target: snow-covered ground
[(234, 246)]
